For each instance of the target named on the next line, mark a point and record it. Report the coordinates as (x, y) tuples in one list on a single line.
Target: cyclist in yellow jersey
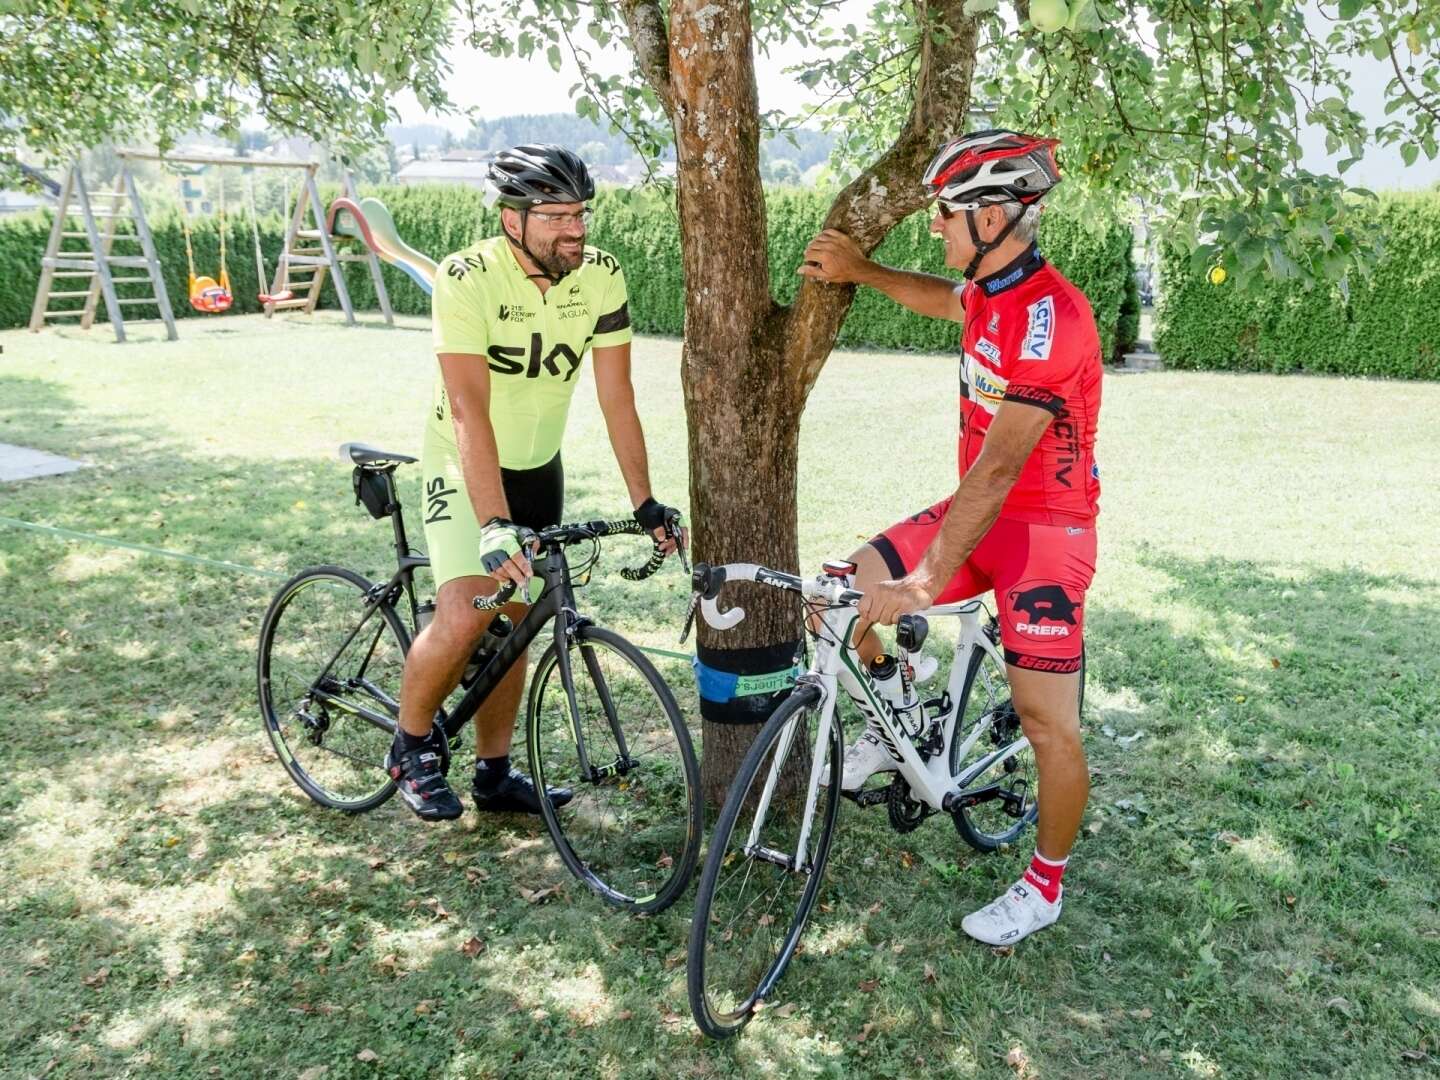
[(514, 317)]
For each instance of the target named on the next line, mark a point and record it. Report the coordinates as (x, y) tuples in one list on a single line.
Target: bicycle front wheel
[(329, 678), (632, 830), (761, 879)]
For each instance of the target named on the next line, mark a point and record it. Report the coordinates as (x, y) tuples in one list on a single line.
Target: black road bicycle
[(599, 718)]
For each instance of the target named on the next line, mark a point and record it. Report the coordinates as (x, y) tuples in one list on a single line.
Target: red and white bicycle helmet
[(984, 168), (996, 166)]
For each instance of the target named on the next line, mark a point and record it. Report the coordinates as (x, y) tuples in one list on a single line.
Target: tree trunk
[(748, 364)]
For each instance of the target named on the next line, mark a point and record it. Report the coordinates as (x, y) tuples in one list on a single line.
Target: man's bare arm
[(1011, 437), (1009, 440), (616, 394), (832, 256)]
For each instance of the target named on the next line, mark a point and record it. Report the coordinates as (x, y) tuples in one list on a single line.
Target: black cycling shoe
[(516, 795), (419, 776)]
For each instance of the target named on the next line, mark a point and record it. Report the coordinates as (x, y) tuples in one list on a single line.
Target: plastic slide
[(370, 222)]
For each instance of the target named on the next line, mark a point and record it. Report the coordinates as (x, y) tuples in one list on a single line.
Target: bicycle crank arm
[(869, 797), (963, 800)]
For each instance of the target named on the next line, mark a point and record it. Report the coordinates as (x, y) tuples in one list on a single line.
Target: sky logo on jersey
[(1039, 330), (989, 350)]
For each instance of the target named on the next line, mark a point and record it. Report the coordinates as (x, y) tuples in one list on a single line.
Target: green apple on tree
[(1048, 16)]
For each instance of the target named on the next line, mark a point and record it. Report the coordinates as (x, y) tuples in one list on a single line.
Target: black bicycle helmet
[(532, 175)]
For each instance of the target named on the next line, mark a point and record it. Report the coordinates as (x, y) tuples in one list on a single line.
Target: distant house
[(17, 202), (444, 172)]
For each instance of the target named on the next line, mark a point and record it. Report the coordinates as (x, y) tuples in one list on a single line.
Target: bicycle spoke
[(327, 656), (627, 831)]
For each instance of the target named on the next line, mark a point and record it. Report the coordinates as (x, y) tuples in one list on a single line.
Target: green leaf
[(1350, 8), (553, 55), (1409, 152)]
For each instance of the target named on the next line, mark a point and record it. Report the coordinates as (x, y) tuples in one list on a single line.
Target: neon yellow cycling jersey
[(485, 305)]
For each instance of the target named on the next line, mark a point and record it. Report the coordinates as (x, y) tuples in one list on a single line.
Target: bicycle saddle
[(365, 454)]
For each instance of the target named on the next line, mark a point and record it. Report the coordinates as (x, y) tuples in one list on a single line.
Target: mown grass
[(1254, 894)]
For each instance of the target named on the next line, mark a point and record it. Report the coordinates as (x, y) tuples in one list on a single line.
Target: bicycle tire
[(972, 823), (632, 832), (709, 1005), (292, 721)]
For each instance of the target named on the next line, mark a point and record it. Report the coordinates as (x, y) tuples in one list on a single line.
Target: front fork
[(568, 625)]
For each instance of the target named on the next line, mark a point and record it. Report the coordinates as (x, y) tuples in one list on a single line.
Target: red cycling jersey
[(1030, 337)]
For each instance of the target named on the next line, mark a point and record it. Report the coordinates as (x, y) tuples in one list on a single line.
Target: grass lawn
[(1254, 894)]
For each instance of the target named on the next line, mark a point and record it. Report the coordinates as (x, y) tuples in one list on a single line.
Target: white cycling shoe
[(1015, 915), (864, 759)]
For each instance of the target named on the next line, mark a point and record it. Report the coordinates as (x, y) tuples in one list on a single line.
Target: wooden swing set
[(309, 251)]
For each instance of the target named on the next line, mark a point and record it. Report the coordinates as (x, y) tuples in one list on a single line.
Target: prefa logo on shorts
[(1044, 610), (1039, 330)]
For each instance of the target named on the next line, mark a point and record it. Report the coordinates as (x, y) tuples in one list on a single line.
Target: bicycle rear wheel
[(632, 831), (329, 680), (753, 901)]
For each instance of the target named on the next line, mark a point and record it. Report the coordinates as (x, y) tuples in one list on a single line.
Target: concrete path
[(23, 463)]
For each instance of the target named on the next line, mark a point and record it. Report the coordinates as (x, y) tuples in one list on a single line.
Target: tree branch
[(649, 41), (889, 190), (1395, 62)]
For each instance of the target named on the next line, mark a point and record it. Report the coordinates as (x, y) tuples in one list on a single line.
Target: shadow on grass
[(1241, 863)]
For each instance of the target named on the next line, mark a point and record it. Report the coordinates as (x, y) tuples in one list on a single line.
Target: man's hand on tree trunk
[(834, 257)]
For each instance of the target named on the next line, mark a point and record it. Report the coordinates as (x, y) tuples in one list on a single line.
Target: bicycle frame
[(837, 667), (556, 606)]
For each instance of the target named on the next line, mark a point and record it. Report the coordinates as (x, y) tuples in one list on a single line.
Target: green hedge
[(1387, 326), (640, 229)]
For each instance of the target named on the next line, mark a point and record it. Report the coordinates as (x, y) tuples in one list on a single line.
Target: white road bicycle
[(961, 754)]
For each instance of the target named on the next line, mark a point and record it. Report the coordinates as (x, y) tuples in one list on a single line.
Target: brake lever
[(690, 616)]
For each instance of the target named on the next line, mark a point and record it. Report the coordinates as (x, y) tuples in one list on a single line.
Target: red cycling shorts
[(1039, 574)]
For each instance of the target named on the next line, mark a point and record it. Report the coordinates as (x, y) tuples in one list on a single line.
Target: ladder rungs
[(67, 295), (129, 280), (135, 262), (311, 234), (77, 235), (307, 260), (64, 314), (124, 301), (103, 214), (73, 273), (71, 263)]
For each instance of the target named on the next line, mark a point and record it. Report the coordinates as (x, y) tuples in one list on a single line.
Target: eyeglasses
[(556, 221), (949, 210)]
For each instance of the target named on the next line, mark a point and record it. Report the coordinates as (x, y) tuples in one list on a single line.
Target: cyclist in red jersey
[(1021, 522)]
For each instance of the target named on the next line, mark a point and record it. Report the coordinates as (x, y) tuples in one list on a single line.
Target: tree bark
[(749, 364)]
